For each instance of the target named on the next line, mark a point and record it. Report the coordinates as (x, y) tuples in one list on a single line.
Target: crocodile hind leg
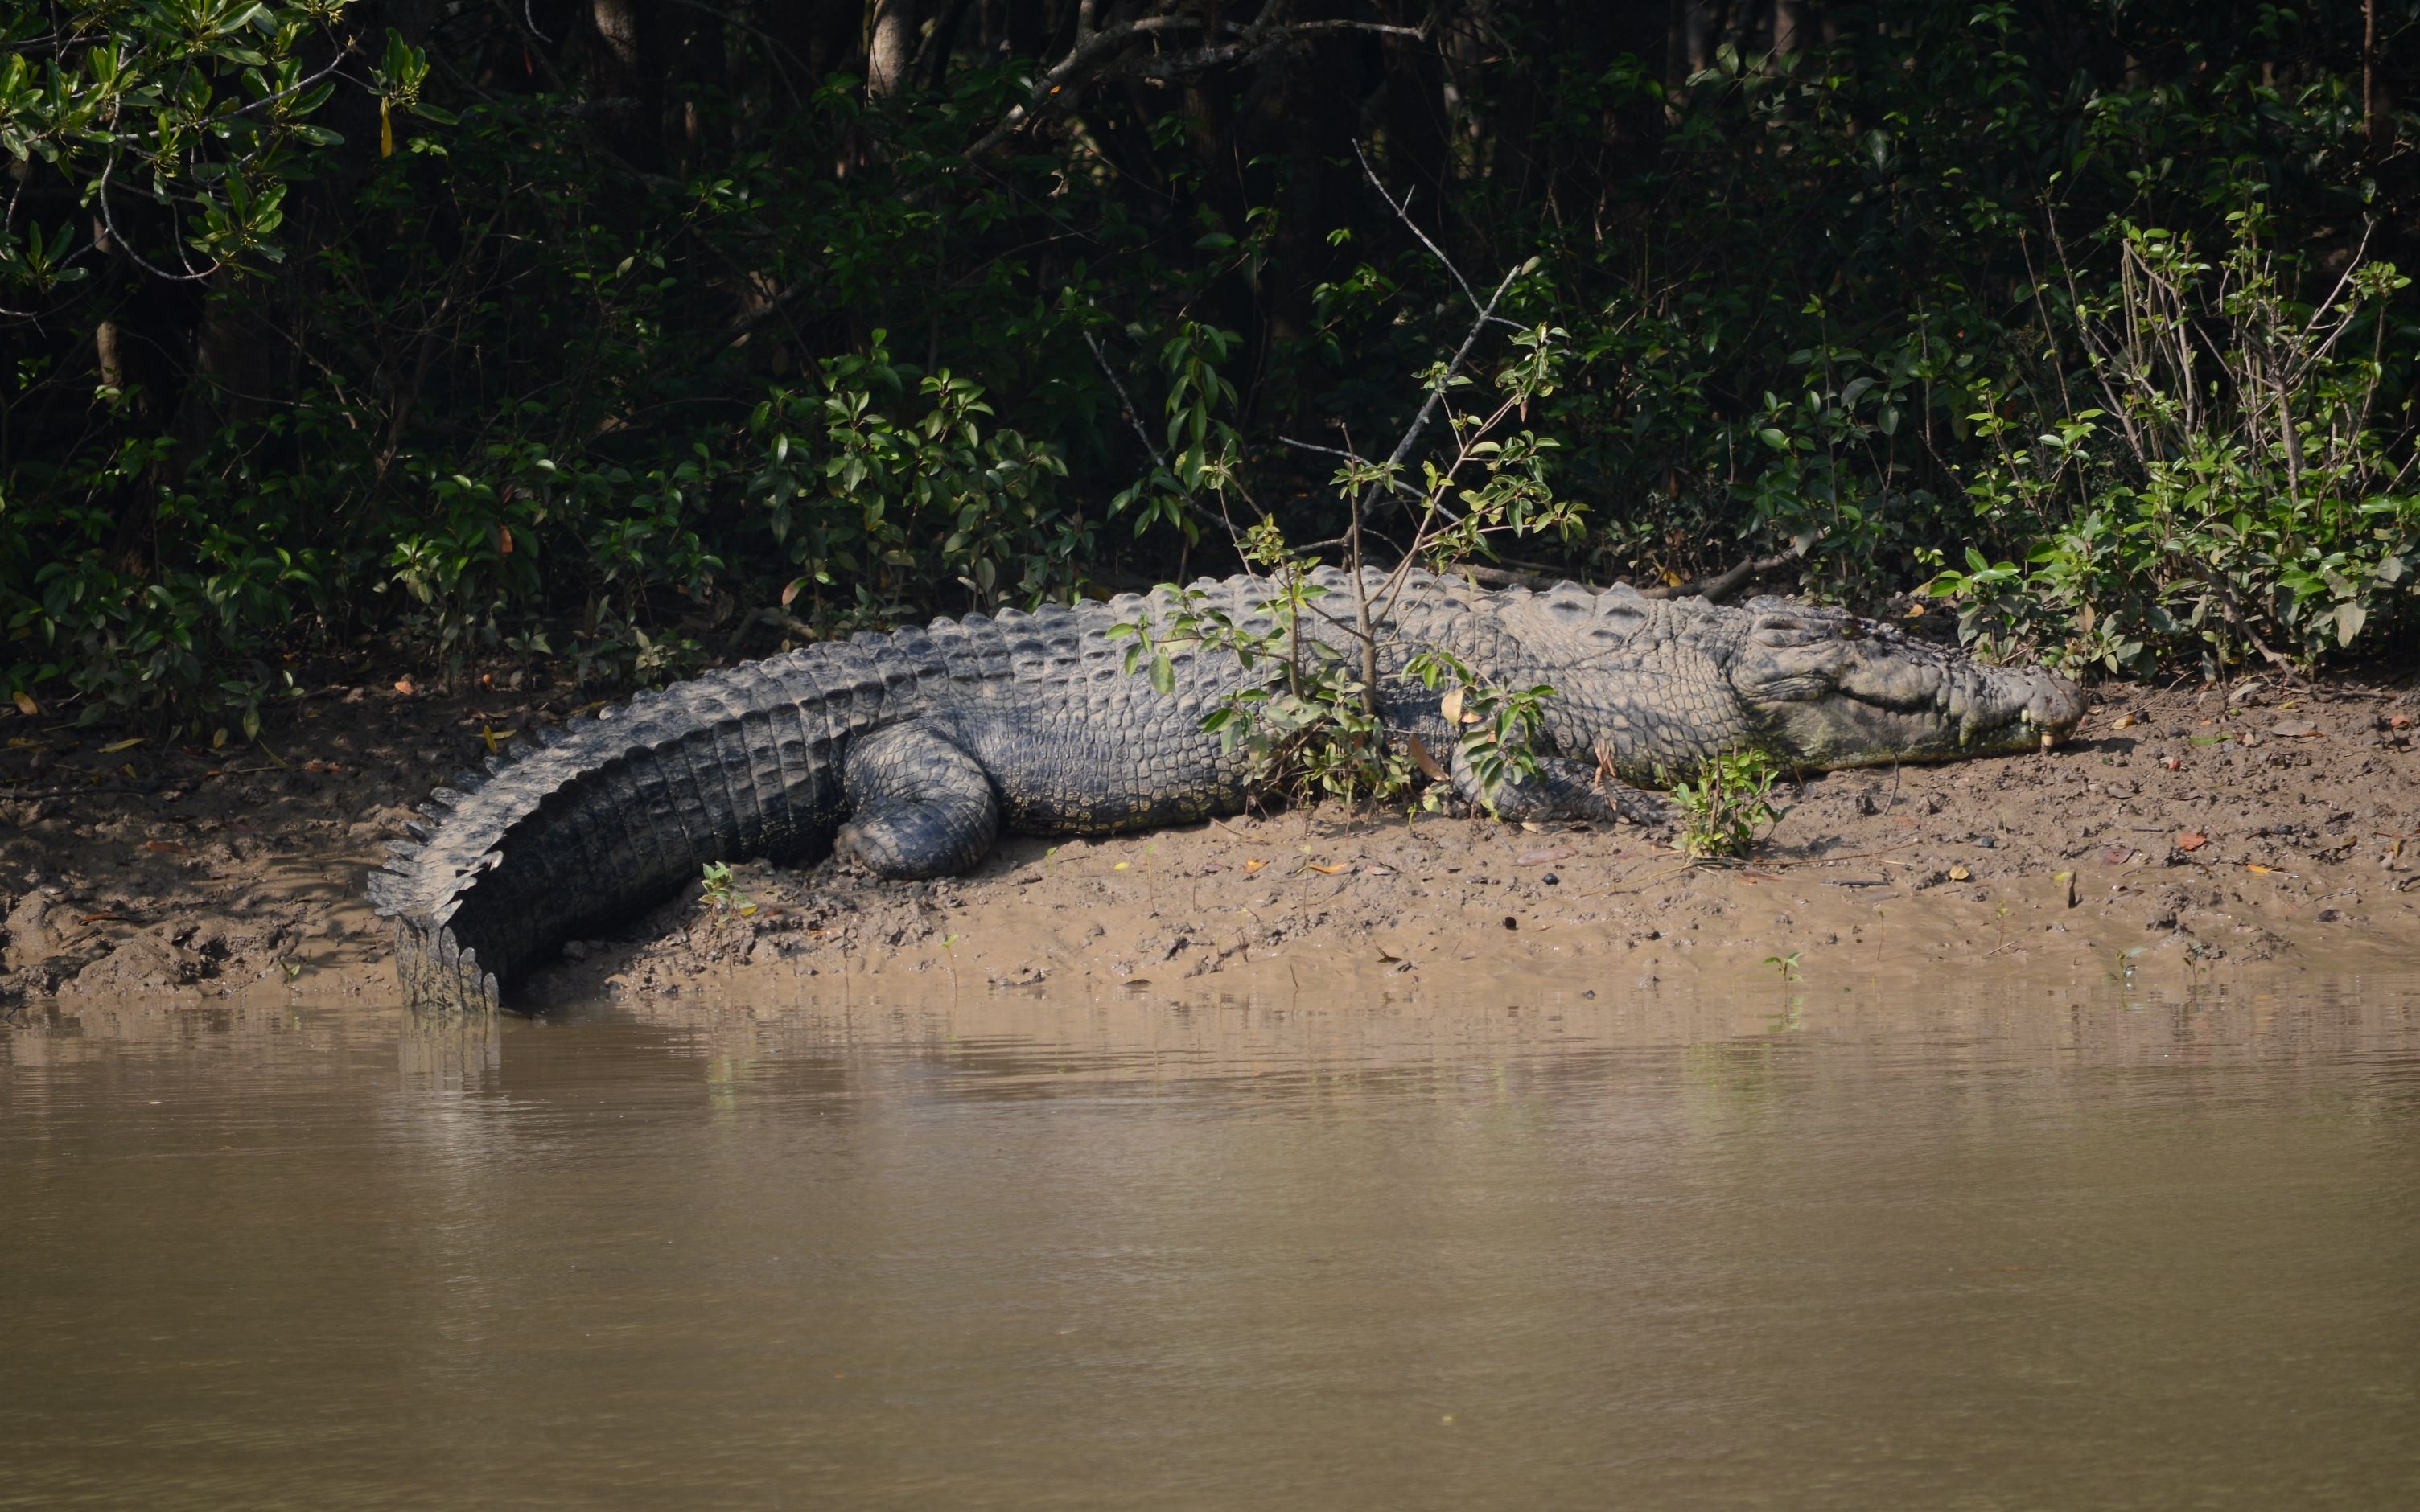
[(923, 807), (1563, 788)]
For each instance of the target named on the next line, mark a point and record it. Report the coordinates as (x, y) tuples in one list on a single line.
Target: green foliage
[(719, 892), (466, 341), (1314, 727), (1902, 303), (180, 123), (1731, 800), (1204, 450), (1494, 726), (1311, 728), (2230, 493), (1310, 725), (883, 477)]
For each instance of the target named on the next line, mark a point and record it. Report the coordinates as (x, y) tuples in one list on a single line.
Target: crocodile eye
[(1781, 631)]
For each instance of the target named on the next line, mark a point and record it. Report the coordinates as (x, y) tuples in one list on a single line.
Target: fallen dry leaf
[(2258, 869), (2399, 721), (1426, 762), (166, 846), (1960, 873), (1251, 867), (2118, 854), (116, 745), (2191, 841), (2295, 729), (26, 704), (2124, 721), (403, 685), (317, 765), (1329, 870)]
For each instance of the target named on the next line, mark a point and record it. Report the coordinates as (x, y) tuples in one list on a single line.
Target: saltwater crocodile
[(907, 752)]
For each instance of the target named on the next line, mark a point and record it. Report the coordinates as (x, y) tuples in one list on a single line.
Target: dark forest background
[(598, 341)]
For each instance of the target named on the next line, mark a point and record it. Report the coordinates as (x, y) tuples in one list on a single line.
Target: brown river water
[(1790, 1246)]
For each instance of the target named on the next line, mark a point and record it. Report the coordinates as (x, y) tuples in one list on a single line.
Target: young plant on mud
[(720, 891), (1725, 808)]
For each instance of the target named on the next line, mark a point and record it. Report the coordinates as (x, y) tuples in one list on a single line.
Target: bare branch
[(1123, 398), (1086, 51), (1404, 212), (1724, 584), (1452, 369), (265, 101), (1393, 481), (109, 220)]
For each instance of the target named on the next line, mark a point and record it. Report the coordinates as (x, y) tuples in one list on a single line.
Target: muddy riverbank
[(2190, 830)]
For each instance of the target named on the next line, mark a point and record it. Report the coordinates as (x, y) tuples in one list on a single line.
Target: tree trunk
[(891, 51), (1789, 25), (627, 78)]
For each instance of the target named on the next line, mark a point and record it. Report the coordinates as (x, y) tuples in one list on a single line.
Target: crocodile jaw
[(1833, 690)]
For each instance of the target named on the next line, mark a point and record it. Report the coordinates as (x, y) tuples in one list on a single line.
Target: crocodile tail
[(615, 814)]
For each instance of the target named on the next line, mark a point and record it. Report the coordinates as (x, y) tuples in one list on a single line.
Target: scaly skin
[(909, 752)]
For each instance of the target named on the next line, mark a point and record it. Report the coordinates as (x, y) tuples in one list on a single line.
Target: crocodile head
[(1831, 690)]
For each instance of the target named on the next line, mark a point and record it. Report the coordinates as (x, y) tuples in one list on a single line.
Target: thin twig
[(1404, 213), (1452, 370), (1392, 482), (342, 48), (1850, 856), (1125, 399), (1643, 882)]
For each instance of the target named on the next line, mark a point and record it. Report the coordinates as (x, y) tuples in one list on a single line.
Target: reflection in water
[(1786, 1249)]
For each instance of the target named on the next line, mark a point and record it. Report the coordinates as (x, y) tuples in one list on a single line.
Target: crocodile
[(907, 752)]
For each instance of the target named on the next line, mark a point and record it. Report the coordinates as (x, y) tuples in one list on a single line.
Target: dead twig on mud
[(1851, 855), (1643, 882)]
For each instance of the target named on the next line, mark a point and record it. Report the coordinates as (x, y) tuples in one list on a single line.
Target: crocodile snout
[(2053, 706)]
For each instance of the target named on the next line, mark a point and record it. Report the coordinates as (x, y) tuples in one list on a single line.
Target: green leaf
[(2351, 617)]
